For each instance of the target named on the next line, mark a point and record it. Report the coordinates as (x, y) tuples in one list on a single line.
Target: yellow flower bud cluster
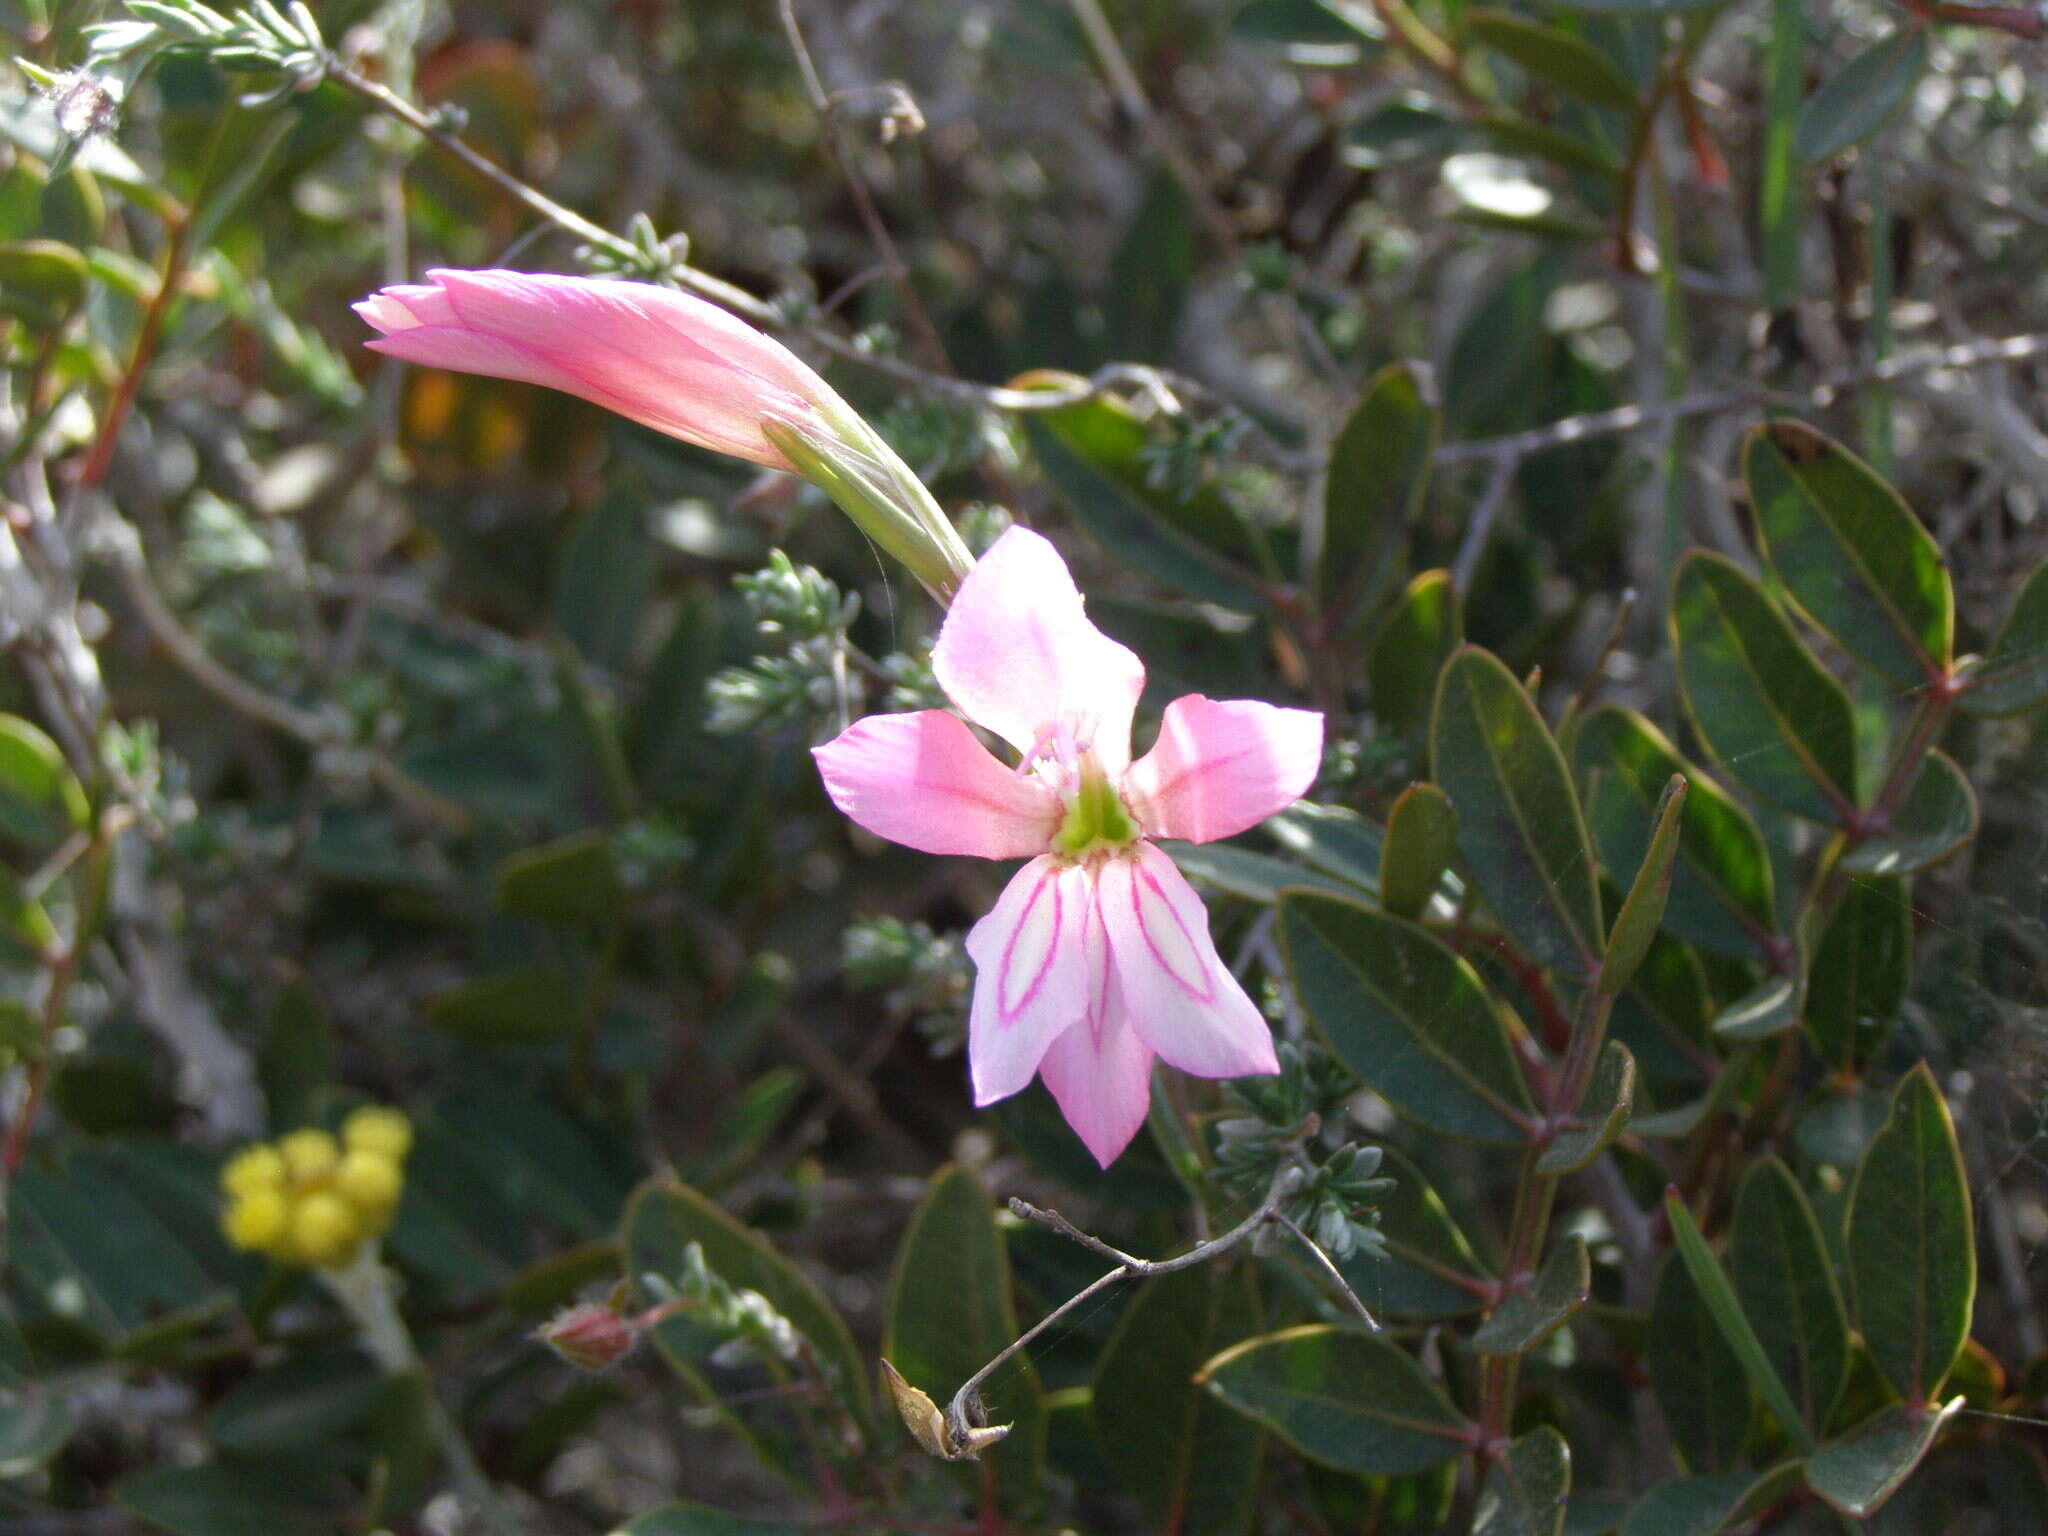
[(310, 1199)]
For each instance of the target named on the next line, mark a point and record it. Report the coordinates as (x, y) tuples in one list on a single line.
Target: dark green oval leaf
[(1536, 1311), (1600, 1116), (1525, 1492), (1857, 1474), (1336, 841), (1428, 1269), (1700, 1384), (1519, 824), (1378, 474), (40, 797), (1407, 1015), (1937, 817), (1912, 1253), (1850, 553), (1557, 57), (1773, 715), (1856, 99), (573, 882), (1642, 911), (2012, 677), (1703, 1506), (1422, 838), (533, 1003), (1348, 1399), (1861, 969), (1409, 651), (1786, 1284)]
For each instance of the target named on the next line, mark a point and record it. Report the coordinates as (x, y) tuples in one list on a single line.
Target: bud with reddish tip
[(589, 1336), (682, 366)]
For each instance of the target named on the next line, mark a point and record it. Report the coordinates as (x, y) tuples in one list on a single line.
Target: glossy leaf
[(1858, 1473), (1422, 838), (2012, 677), (1850, 553), (36, 1422), (1912, 1254), (1860, 971), (1191, 1462), (1336, 841), (1428, 1269), (40, 797), (1937, 817), (1409, 650), (1703, 1506), (950, 1311), (1407, 1015), (1664, 1015), (1600, 1116), (1786, 1284), (1254, 876), (1525, 1492), (1351, 1400), (1774, 717), (1556, 57), (41, 281), (1856, 99), (1642, 911), (1771, 1008), (1377, 476), (1541, 1307), (663, 1218), (1701, 1388), (1519, 825), (533, 1003), (239, 1497)]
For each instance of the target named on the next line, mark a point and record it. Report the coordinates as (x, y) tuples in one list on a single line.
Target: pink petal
[(1220, 767), (665, 359), (922, 780), (1180, 996), (1101, 1075), (1031, 979), (1018, 655)]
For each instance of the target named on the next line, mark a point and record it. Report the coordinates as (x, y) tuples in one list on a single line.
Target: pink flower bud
[(665, 359), (589, 1337)]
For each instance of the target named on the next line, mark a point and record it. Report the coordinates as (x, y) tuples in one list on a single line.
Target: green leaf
[(532, 1003), (1600, 1116), (1725, 1307), (1912, 1253), (1519, 825), (1774, 717), (2012, 677), (1512, 134), (1254, 876), (1855, 100), (1422, 838), (226, 1498), (1937, 817), (1767, 1010), (693, 1519), (1336, 841), (573, 882), (1428, 1269), (1642, 912), (1702, 1506), (35, 1424), (951, 1311), (1351, 1400), (1860, 971), (1104, 498), (1541, 1307), (40, 797), (1378, 474), (1192, 1463), (663, 1218), (1850, 553), (1525, 1492), (604, 581), (1786, 1284), (1663, 1018), (1409, 650), (1857, 1474), (1408, 128), (1547, 53), (305, 1400), (1699, 1382), (1407, 1015), (41, 281)]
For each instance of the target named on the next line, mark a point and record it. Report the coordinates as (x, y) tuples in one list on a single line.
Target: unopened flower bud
[(256, 1219), (376, 1128), (325, 1229), (258, 1167), (590, 1337), (309, 1156)]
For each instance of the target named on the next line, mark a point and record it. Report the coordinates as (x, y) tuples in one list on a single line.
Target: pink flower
[(665, 359), (675, 363), (1097, 955)]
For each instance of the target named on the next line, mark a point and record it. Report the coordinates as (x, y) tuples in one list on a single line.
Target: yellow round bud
[(256, 1219), (258, 1166), (378, 1128), (310, 1156), (369, 1180), (325, 1230)]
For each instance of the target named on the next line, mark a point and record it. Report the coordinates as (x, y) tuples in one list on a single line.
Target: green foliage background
[(1560, 397)]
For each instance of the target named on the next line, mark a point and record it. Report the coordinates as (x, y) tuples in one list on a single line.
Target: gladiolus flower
[(682, 366), (1097, 955)]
